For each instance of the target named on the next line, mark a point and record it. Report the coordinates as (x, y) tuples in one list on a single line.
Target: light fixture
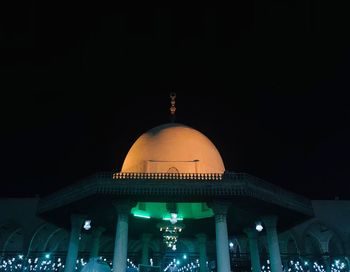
[(258, 226), (173, 247), (142, 216), (87, 224), (169, 218), (47, 255), (231, 244), (170, 233), (173, 218)]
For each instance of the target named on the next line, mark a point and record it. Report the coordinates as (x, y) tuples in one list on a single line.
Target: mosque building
[(174, 207)]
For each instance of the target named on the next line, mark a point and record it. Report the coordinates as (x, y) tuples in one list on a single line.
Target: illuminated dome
[(173, 148)]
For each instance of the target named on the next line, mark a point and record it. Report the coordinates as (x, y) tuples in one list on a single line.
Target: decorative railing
[(162, 176)]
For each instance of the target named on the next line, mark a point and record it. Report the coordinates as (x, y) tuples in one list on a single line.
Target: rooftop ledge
[(217, 185)]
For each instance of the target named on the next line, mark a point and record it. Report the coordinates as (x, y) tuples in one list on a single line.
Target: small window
[(173, 170)]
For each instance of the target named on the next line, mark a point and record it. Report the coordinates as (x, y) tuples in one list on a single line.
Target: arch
[(56, 240), (53, 233), (173, 170), (292, 248), (288, 244), (14, 241), (40, 237), (335, 247), (312, 246), (12, 235), (62, 244), (236, 248), (317, 237)]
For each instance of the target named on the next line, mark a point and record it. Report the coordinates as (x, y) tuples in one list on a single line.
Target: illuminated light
[(173, 218), (185, 256), (169, 219), (231, 244), (142, 215), (258, 226), (173, 247), (47, 255), (177, 262), (87, 224), (20, 256)]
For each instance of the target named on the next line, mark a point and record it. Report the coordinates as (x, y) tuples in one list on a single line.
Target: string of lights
[(47, 262)]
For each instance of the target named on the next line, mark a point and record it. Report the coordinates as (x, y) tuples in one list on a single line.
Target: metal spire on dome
[(172, 108)]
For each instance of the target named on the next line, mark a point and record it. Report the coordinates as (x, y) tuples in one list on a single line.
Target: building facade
[(175, 207)]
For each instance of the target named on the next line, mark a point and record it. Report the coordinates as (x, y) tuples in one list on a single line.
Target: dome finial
[(172, 108)]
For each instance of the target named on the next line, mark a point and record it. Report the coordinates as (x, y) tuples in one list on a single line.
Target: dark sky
[(266, 81)]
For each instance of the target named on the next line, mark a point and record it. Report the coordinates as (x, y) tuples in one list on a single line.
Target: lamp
[(170, 233), (87, 224), (173, 218), (258, 226)]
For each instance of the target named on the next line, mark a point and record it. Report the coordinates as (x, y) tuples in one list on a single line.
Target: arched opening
[(173, 170), (292, 249), (312, 246), (335, 247), (235, 249), (14, 242)]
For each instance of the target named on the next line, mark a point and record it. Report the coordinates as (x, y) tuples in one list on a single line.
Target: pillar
[(95, 241), (270, 223), (252, 235), (222, 247), (121, 236), (145, 238), (327, 262), (202, 241), (77, 221)]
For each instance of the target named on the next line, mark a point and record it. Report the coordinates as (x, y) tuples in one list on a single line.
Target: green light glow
[(142, 216), (168, 218), (140, 213), (186, 210)]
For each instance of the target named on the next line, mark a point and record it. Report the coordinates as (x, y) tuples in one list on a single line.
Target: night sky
[(266, 81)]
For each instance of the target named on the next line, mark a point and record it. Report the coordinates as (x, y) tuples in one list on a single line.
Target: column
[(327, 263), (202, 246), (222, 247), (252, 235), (95, 241), (121, 236), (270, 223), (77, 221), (145, 238)]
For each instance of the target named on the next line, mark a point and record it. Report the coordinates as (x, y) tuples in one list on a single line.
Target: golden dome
[(173, 148)]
